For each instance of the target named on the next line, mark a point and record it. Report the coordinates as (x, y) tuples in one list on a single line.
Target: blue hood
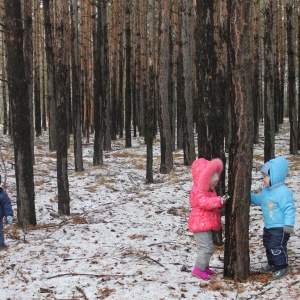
[(279, 168)]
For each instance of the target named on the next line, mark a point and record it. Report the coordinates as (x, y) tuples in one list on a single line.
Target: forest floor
[(126, 239)]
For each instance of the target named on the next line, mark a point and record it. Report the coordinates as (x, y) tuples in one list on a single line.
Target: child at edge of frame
[(6, 212)]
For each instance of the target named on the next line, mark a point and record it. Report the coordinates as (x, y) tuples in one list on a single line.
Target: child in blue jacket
[(277, 203), (5, 211)]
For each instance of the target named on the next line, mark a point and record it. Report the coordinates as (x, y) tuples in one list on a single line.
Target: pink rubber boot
[(210, 272), (200, 274)]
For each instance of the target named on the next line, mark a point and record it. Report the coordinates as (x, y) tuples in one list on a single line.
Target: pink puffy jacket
[(205, 214)]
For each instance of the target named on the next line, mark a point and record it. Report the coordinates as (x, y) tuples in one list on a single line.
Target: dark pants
[(275, 242)]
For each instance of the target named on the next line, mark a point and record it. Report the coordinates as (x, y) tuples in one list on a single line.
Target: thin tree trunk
[(186, 9), (128, 76), (37, 79), (256, 71), (50, 74), (149, 107), (76, 89), (98, 92), (62, 106), (163, 92), (3, 89), (291, 81), (269, 128)]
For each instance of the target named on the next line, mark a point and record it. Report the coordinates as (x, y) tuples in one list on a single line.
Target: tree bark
[(19, 99), (186, 13), (236, 255), (128, 103), (269, 125), (50, 74), (98, 92), (256, 71), (163, 97), (291, 82), (62, 106), (76, 103)]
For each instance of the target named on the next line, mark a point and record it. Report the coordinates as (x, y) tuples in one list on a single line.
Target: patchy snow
[(126, 239)]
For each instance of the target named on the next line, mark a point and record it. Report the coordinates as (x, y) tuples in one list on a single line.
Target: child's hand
[(9, 220), (288, 229), (224, 199)]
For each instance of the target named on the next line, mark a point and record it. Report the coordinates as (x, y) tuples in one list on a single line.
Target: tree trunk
[(114, 70), (282, 60), (62, 106), (276, 72), (149, 105), (256, 71), (37, 79), (291, 81), (76, 103), (269, 128), (105, 114), (4, 91), (206, 83), (19, 99), (50, 74), (163, 92), (128, 76), (186, 13), (236, 256), (98, 92)]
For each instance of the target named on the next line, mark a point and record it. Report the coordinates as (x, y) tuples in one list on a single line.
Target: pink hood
[(205, 214), (203, 170)]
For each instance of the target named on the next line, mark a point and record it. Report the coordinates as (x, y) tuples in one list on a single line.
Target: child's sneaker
[(267, 268), (200, 274), (210, 272), (280, 273)]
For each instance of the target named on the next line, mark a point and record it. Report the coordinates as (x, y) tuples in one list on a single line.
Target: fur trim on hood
[(203, 170)]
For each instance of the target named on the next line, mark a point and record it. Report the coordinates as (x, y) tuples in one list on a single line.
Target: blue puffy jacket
[(5, 205), (276, 201)]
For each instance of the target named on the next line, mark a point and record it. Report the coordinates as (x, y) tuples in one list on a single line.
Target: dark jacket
[(5, 205)]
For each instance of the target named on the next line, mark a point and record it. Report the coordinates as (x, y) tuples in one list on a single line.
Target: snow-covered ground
[(126, 239)]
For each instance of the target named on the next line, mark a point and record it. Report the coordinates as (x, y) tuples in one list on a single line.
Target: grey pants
[(205, 249)]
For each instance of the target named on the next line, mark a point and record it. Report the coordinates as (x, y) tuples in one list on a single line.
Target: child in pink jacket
[(205, 214)]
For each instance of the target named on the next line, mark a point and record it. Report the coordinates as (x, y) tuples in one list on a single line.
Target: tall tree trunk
[(98, 92), (163, 96), (282, 60), (76, 89), (206, 83), (149, 105), (121, 77), (105, 115), (186, 13), (269, 128), (236, 256), (61, 61), (171, 84), (276, 70), (50, 73), (114, 70), (128, 76), (37, 79), (291, 81), (19, 99), (256, 71), (4, 88), (28, 60)]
